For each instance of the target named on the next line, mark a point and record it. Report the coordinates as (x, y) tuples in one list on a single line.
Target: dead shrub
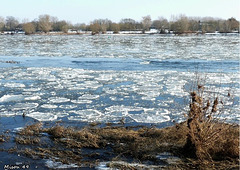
[(208, 138)]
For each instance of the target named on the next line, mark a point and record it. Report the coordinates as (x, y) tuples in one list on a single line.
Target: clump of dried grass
[(73, 137), (27, 140), (117, 134), (208, 138), (2, 138), (29, 135), (31, 130)]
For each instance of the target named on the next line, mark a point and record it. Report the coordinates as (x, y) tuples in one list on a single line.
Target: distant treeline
[(177, 24)]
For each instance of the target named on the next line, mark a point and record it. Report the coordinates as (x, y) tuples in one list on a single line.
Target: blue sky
[(84, 11)]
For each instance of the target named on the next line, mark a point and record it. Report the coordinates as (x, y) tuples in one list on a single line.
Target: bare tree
[(103, 23), (80, 26), (60, 26), (95, 28), (128, 24), (54, 22), (147, 22), (2, 23), (161, 24), (63, 26), (180, 25), (114, 27), (233, 24), (193, 25), (45, 23), (29, 28), (11, 23)]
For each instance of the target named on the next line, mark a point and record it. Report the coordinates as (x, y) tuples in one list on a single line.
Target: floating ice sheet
[(49, 106), (58, 100), (24, 106), (11, 98), (42, 116)]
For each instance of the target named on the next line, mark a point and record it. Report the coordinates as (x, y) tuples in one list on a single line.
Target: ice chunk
[(24, 106), (49, 106), (32, 89), (14, 85), (11, 98), (104, 77), (41, 116), (151, 116), (81, 101), (58, 100), (33, 98), (89, 115), (88, 97), (68, 106)]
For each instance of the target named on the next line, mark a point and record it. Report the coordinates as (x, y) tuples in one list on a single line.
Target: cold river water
[(104, 78)]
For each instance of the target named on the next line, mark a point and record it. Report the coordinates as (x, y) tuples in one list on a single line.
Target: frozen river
[(142, 78)]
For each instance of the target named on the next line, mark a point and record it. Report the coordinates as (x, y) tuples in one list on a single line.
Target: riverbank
[(27, 142), (122, 33)]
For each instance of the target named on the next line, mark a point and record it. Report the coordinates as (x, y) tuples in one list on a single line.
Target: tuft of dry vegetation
[(27, 140), (73, 137), (2, 138), (29, 135), (138, 143), (31, 130), (209, 139)]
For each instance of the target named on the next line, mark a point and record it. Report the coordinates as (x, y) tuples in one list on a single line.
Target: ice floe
[(24, 106), (49, 106), (14, 85), (11, 98), (32, 98), (58, 100), (81, 101), (42, 116)]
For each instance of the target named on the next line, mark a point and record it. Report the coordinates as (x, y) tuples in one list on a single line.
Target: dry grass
[(27, 140), (141, 143), (138, 143), (73, 137), (31, 130), (208, 138), (29, 135), (2, 138)]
